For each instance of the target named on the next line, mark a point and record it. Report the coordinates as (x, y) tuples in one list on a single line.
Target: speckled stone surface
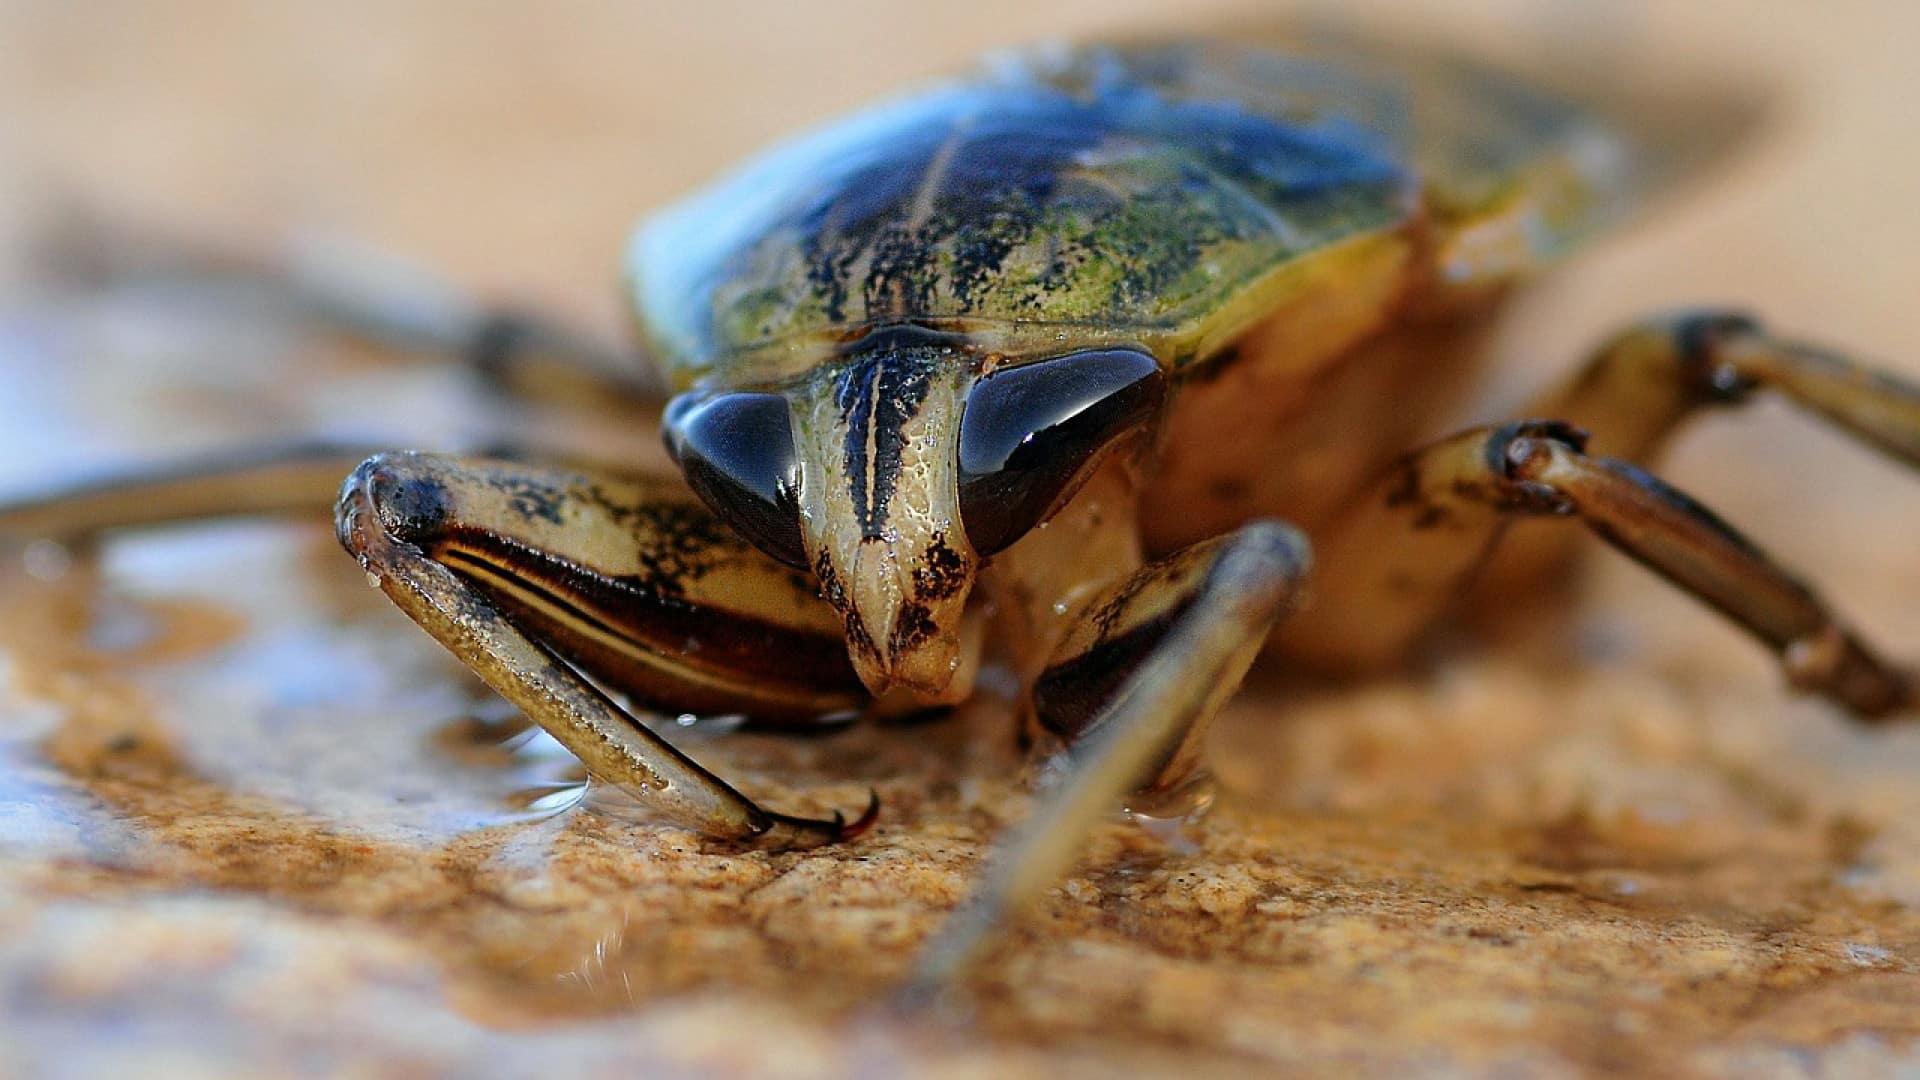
[(253, 823), (235, 870)]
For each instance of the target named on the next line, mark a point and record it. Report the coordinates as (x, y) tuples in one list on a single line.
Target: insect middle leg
[(291, 479), (371, 296), (1397, 558), (531, 576), (1640, 387)]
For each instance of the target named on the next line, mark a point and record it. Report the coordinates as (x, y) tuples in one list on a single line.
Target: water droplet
[(685, 728), (1867, 955), (1167, 815), (547, 799)]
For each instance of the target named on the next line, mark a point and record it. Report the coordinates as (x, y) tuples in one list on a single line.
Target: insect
[(1086, 366)]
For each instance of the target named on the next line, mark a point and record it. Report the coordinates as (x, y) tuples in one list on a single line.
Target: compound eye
[(1030, 432), (736, 451)]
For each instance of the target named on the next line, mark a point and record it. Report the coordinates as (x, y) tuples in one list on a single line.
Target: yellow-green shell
[(1087, 193)]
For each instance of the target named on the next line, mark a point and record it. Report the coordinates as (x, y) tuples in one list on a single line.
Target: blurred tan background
[(1690, 860), (513, 145)]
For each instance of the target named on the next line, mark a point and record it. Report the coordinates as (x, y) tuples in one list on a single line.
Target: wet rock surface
[(252, 822), (227, 863)]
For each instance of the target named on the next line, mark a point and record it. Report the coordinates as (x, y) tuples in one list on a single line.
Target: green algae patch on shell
[(1106, 189), (1084, 195)]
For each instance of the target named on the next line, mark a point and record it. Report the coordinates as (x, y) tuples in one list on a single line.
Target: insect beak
[(879, 513), (903, 639)]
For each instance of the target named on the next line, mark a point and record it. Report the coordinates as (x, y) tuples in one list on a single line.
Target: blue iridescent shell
[(1087, 192)]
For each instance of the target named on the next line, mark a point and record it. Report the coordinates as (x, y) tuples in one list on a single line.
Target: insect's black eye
[(736, 451), (1028, 433)]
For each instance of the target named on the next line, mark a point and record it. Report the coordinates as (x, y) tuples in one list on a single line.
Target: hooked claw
[(786, 831)]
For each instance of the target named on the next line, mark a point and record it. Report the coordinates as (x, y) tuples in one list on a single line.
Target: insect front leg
[(1394, 561), (1131, 690), (534, 575)]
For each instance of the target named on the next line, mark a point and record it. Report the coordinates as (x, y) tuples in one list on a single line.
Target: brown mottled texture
[(252, 821)]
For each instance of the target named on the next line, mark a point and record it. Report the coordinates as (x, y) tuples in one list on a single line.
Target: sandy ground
[(251, 821)]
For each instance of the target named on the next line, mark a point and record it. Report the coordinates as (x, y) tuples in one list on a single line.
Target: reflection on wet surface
[(229, 708), (235, 783), (329, 756)]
